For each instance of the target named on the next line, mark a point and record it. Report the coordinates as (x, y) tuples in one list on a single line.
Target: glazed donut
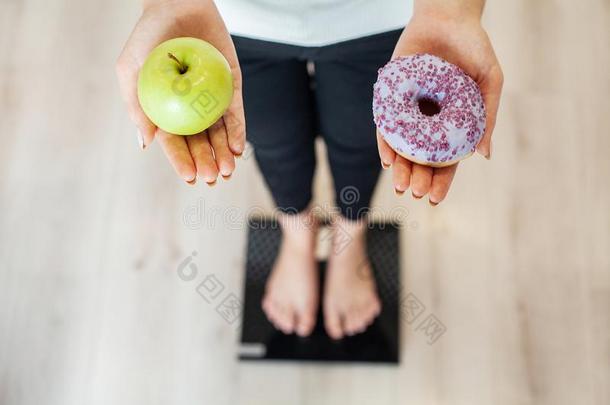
[(428, 110)]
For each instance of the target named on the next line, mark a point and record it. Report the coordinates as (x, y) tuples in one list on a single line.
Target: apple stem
[(182, 67)]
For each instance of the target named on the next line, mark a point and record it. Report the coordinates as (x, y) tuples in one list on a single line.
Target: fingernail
[(398, 192), (225, 170), (485, 153), (211, 183), (140, 139), (226, 177), (417, 197), (385, 165), (237, 149), (192, 182), (432, 203)]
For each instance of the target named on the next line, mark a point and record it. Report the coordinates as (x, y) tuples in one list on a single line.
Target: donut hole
[(428, 107)]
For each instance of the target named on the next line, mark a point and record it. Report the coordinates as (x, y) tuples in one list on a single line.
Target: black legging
[(286, 107)]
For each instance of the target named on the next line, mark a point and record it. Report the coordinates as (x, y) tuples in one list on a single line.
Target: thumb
[(491, 88), (127, 73)]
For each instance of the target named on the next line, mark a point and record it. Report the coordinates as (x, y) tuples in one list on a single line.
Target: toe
[(369, 314), (266, 305), (285, 320), (268, 309), (353, 322), (376, 309), (277, 315), (304, 325), (332, 324), (361, 326)]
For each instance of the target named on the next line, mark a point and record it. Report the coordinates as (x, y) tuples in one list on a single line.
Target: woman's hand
[(212, 151), (459, 38)]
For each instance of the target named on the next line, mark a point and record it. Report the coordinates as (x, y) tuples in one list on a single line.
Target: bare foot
[(291, 294), (350, 294)]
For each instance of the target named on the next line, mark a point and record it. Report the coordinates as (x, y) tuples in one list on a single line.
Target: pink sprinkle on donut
[(428, 110)]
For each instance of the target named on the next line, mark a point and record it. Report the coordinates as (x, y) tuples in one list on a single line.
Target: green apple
[(185, 86)]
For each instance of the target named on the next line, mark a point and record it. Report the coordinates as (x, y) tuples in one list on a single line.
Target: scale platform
[(260, 341)]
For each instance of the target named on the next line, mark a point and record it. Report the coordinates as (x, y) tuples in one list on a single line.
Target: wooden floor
[(515, 264)]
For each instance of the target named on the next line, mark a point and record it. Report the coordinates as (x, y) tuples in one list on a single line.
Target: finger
[(127, 73), (234, 119), (491, 89), (403, 47), (421, 179), (386, 154), (224, 157), (201, 152), (178, 154), (441, 181), (401, 174)]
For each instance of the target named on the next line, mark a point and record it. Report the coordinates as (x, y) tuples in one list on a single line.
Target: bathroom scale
[(260, 341)]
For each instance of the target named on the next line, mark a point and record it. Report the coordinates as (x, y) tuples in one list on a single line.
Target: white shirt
[(313, 22)]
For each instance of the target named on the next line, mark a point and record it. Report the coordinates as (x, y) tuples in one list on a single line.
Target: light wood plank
[(516, 263)]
